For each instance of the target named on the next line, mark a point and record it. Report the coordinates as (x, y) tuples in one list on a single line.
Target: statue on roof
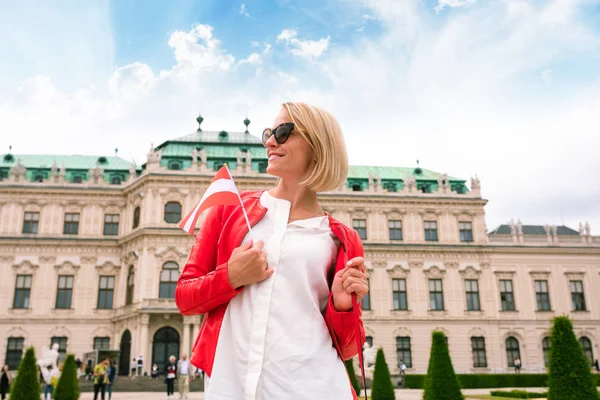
[(440, 182), (554, 230), (547, 229), (513, 227), (519, 227), (446, 181), (132, 169), (581, 232), (18, 170), (240, 155), (248, 161), (378, 180), (153, 155), (54, 169), (588, 230), (195, 155), (475, 184), (370, 180), (202, 154), (97, 174), (63, 169)]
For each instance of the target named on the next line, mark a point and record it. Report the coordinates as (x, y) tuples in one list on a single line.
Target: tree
[(27, 384), (441, 382), (68, 385), (383, 388), (569, 376), (353, 378)]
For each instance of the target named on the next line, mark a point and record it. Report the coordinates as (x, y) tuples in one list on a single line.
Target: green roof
[(43, 161), (394, 173), (175, 149), (217, 137)]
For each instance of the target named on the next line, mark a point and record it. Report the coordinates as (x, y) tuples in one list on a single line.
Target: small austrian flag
[(221, 191)]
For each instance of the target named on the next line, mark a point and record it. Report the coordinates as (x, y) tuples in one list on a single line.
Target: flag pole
[(241, 203)]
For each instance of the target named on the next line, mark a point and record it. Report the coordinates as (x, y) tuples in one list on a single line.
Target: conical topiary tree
[(353, 378), (68, 385), (26, 385), (569, 375), (382, 388), (441, 382)]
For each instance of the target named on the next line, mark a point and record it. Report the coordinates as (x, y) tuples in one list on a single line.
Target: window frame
[(398, 294), (472, 295), (101, 343), (106, 295), (137, 211), (367, 298), (542, 297), (111, 228), (588, 351), (130, 286), (577, 293), (479, 352), (71, 223), (402, 350), (172, 216), (546, 345), (361, 230), (395, 232), (63, 342), (64, 295), (31, 222), (23, 292), (14, 352), (436, 296), (505, 302), (510, 357), (168, 286), (465, 235), (430, 234)]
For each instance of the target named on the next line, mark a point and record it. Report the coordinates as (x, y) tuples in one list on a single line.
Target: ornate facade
[(90, 252)]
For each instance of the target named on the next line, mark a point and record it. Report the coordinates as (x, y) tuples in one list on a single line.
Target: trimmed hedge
[(382, 387), (68, 384), (27, 385), (441, 382), (353, 378), (487, 381), (570, 375), (519, 394)]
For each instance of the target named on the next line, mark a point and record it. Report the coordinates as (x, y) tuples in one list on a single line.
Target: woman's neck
[(303, 201)]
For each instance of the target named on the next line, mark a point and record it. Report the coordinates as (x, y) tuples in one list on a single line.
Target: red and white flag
[(221, 191)]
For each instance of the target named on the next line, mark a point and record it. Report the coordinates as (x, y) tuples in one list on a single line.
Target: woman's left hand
[(349, 280)]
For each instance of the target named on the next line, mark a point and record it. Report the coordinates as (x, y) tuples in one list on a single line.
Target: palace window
[(136, 217), (168, 280), (22, 291), (472, 292), (62, 346), (395, 229), (14, 352), (436, 295), (542, 295), (403, 351), (111, 224), (512, 351), (172, 212), (546, 350), (31, 222), (64, 292), (130, 286), (507, 297), (366, 301), (360, 226), (478, 349), (399, 294), (431, 232), (577, 297), (71, 224), (106, 290), (466, 231), (586, 344), (101, 343)]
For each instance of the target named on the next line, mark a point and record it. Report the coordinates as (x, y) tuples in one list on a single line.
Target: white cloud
[(546, 76), (253, 59), (243, 11), (452, 3), (303, 48), (457, 94), (255, 43)]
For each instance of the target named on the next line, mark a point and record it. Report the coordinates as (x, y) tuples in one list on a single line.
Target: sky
[(508, 90)]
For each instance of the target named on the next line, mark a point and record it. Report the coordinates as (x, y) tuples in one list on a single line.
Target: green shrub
[(488, 381), (68, 385), (383, 388), (519, 394), (441, 382), (570, 376), (26, 385), (353, 378)]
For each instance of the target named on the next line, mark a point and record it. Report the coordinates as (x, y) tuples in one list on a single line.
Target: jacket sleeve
[(203, 285), (343, 324)]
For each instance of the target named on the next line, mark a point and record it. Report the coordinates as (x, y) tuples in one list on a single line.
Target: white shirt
[(183, 367), (274, 343)]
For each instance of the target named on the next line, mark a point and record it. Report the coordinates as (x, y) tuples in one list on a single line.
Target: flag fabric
[(221, 191)]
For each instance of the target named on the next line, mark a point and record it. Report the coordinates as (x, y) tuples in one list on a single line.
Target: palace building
[(90, 253)]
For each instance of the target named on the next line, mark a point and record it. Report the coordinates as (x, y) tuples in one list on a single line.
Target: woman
[(4, 382), (170, 376), (50, 377), (279, 307), (100, 378), (154, 371), (111, 376)]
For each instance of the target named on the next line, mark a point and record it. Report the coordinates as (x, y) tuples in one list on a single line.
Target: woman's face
[(5, 368), (292, 160)]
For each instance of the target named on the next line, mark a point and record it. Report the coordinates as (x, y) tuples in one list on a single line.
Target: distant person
[(89, 369), (50, 377), (133, 367), (140, 365), (154, 371), (5, 381), (101, 378), (517, 366), (170, 375), (402, 373), (184, 369), (597, 365), (112, 375)]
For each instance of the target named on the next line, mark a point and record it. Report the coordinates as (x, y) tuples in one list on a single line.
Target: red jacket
[(204, 288)]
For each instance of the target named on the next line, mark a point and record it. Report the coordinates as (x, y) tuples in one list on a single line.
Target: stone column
[(186, 346), (144, 345)]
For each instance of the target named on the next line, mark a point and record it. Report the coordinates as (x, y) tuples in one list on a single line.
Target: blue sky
[(505, 89)]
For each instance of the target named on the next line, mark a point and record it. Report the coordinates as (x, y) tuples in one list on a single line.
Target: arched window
[(116, 180), (130, 285), (168, 280), (586, 344), (512, 351), (14, 352), (173, 212), (136, 217), (546, 350), (175, 166)]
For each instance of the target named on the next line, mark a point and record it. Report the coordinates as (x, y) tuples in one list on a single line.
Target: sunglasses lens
[(265, 136), (282, 133)]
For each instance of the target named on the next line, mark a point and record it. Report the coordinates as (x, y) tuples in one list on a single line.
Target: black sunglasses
[(281, 133)]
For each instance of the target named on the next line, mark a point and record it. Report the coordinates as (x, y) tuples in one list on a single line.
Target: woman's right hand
[(248, 265)]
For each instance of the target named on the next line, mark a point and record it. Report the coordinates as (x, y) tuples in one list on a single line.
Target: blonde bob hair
[(324, 135)]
